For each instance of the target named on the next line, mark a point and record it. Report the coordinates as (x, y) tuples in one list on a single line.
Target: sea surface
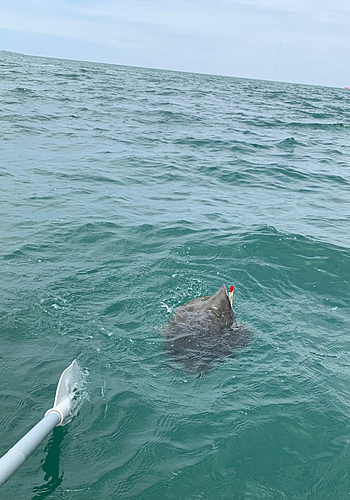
[(125, 192)]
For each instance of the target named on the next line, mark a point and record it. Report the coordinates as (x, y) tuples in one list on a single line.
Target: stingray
[(205, 331)]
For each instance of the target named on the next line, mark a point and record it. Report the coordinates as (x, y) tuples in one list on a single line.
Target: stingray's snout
[(230, 294)]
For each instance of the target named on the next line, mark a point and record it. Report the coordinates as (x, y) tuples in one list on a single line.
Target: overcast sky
[(303, 41)]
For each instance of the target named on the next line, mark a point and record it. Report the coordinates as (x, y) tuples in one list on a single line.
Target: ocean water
[(126, 192)]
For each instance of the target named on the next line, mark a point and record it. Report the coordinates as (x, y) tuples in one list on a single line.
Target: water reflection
[(51, 465)]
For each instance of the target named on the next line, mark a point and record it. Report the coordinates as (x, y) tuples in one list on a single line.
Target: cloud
[(239, 38)]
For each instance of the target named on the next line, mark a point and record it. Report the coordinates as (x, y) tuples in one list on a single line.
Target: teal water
[(126, 192)]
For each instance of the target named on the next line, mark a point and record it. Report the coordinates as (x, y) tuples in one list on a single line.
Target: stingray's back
[(204, 330)]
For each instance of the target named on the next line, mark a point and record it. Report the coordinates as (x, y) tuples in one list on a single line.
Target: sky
[(299, 41)]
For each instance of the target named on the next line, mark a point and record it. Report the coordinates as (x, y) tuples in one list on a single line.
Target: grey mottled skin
[(204, 331)]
